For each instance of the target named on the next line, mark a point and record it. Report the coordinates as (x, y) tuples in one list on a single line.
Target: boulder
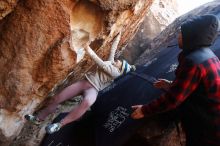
[(159, 16), (39, 54)]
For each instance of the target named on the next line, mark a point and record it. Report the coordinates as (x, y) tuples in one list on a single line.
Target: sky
[(187, 5)]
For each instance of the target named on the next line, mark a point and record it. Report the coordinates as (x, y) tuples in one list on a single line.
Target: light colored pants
[(79, 88)]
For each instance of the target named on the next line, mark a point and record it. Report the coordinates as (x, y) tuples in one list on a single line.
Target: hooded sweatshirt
[(199, 32), (196, 88)]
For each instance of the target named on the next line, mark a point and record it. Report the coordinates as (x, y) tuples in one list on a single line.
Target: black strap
[(146, 77)]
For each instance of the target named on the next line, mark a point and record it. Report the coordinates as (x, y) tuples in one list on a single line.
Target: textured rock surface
[(6, 6), (161, 14), (38, 51), (37, 54)]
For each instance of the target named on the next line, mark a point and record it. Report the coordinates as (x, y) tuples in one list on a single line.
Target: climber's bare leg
[(67, 93), (90, 96)]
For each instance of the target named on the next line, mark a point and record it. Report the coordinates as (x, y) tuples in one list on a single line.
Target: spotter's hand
[(162, 84), (137, 114)]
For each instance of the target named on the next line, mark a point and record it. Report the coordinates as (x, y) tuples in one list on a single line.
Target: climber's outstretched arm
[(94, 56), (114, 47), (101, 63)]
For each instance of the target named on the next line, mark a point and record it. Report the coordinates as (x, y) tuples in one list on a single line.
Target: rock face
[(38, 50), (160, 15), (6, 6), (39, 54), (164, 39)]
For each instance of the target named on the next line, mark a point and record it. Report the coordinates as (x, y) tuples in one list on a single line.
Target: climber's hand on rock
[(86, 45), (137, 114)]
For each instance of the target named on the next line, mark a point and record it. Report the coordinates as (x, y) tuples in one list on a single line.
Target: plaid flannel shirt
[(188, 77)]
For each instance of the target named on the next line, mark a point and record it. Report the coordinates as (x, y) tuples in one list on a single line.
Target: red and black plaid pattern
[(189, 77)]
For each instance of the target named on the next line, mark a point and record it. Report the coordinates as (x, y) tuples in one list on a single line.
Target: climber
[(196, 88), (105, 73)]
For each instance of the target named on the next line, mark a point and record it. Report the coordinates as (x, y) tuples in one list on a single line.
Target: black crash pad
[(78, 133), (113, 124)]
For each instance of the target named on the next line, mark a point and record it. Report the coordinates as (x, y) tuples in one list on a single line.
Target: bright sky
[(187, 5)]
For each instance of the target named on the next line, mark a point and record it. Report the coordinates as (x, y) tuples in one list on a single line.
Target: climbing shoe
[(33, 119), (51, 128)]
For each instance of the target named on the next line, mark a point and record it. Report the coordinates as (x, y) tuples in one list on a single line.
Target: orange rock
[(37, 54)]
